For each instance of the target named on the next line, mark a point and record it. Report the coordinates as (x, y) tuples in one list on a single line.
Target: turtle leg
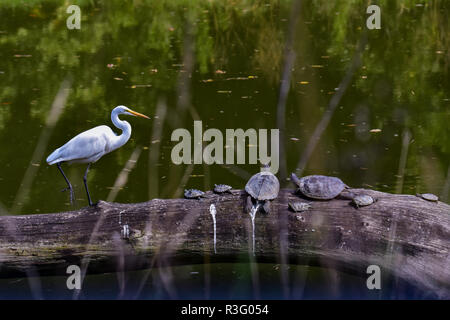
[(267, 206), (346, 195), (249, 204)]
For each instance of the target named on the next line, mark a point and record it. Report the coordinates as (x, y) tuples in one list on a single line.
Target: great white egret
[(91, 145)]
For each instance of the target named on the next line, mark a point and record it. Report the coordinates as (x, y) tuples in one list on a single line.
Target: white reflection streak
[(179, 191), (402, 163), (153, 156), (253, 265), (252, 214), (3, 210), (122, 178), (212, 211), (289, 59), (53, 117), (334, 101), (446, 187)]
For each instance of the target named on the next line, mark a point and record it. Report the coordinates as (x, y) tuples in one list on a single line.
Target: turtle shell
[(193, 193), (363, 200), (263, 186), (299, 206), (321, 187), (221, 188), (429, 197)]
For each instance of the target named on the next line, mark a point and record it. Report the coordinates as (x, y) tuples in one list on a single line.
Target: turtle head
[(295, 179)]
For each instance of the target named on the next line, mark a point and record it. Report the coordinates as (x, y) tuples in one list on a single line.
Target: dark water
[(223, 64), (213, 281)]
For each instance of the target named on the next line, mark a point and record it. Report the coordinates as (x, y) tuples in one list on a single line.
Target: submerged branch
[(180, 231)]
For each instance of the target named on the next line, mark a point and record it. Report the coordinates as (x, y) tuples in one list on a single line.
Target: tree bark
[(406, 236)]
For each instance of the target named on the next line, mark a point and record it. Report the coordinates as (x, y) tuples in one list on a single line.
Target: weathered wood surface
[(406, 236)]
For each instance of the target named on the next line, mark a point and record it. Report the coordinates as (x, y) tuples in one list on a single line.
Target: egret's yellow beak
[(138, 114)]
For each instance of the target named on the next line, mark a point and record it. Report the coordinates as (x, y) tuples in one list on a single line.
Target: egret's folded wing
[(84, 146)]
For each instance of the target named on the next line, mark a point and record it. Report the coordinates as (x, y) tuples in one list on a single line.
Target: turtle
[(428, 196), (299, 206), (362, 200), (222, 188), (358, 199), (319, 187), (261, 188), (193, 194)]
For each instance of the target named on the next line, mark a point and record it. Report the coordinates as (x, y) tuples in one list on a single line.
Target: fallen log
[(406, 236)]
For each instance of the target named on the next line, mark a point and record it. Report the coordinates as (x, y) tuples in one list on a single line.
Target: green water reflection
[(139, 53)]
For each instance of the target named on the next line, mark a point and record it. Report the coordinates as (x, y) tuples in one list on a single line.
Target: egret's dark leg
[(69, 186), (85, 184)]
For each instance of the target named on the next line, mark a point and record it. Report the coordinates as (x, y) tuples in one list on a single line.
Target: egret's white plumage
[(86, 147), (91, 145)]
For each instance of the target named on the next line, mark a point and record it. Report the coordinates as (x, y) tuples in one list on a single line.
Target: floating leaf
[(140, 86)]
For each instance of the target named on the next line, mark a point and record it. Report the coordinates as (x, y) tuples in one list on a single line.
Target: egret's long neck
[(126, 131)]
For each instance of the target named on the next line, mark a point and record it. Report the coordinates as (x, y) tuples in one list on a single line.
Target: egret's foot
[(72, 197), (72, 194), (97, 204)]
